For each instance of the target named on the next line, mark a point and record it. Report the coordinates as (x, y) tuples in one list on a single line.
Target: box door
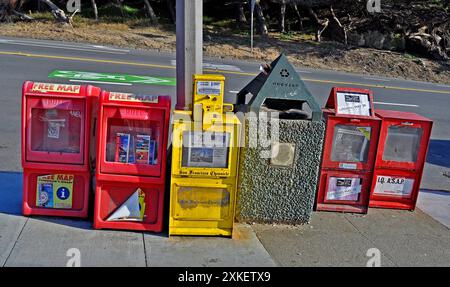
[(132, 141), (132, 203), (202, 203), (402, 144), (394, 184), (55, 130), (350, 144), (48, 190), (347, 188)]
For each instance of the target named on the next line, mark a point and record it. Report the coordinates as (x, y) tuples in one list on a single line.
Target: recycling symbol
[(284, 73)]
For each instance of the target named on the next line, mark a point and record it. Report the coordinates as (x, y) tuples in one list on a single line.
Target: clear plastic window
[(205, 149), (55, 130), (402, 144), (344, 188), (350, 143), (132, 141)]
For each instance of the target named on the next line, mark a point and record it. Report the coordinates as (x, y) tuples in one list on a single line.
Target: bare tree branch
[(94, 7), (58, 13), (151, 13)]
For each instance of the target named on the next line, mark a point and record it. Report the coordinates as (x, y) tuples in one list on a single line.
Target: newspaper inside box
[(132, 141), (351, 143), (55, 130), (205, 149), (402, 144)]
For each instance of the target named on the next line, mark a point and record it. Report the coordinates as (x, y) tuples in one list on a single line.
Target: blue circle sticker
[(63, 193)]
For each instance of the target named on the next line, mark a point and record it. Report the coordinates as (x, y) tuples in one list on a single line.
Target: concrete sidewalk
[(403, 238), (47, 241)]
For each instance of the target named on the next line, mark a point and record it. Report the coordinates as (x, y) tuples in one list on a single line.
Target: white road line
[(110, 48), (233, 92), (100, 82), (224, 67), (62, 47), (376, 79), (396, 104), (212, 66), (304, 72)]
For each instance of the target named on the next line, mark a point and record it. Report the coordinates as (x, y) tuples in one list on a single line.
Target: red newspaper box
[(349, 152), (56, 148), (131, 161), (401, 155)]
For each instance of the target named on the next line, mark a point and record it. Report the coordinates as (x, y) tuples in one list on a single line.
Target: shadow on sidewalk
[(439, 153), (11, 203), (441, 196), (431, 191), (11, 192)]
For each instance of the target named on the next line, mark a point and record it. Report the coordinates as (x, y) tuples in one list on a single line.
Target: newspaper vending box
[(56, 126), (401, 155), (204, 163), (349, 153), (131, 161)]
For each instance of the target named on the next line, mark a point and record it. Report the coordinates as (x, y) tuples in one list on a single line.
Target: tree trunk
[(321, 24), (94, 7), (6, 9), (19, 6), (240, 15), (283, 16), (336, 29), (171, 7), (4, 12), (59, 14), (297, 12), (22, 16), (9, 8), (119, 3), (262, 28), (151, 13)]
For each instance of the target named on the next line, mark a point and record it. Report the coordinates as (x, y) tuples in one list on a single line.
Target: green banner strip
[(112, 78)]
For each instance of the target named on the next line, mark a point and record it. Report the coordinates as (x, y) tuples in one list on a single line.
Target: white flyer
[(391, 185), (344, 188), (209, 88), (353, 104)]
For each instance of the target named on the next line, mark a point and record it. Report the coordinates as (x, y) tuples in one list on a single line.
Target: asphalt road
[(28, 59)]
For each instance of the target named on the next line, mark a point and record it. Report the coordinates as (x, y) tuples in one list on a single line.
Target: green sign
[(112, 78)]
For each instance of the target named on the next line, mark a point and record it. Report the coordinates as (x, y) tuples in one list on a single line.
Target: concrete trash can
[(283, 139)]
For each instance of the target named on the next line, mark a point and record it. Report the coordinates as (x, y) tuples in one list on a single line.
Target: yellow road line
[(82, 59), (86, 60)]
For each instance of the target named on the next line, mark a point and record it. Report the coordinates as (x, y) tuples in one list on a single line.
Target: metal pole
[(252, 8), (189, 55)]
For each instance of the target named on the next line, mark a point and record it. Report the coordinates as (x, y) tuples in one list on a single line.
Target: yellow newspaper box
[(204, 172)]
